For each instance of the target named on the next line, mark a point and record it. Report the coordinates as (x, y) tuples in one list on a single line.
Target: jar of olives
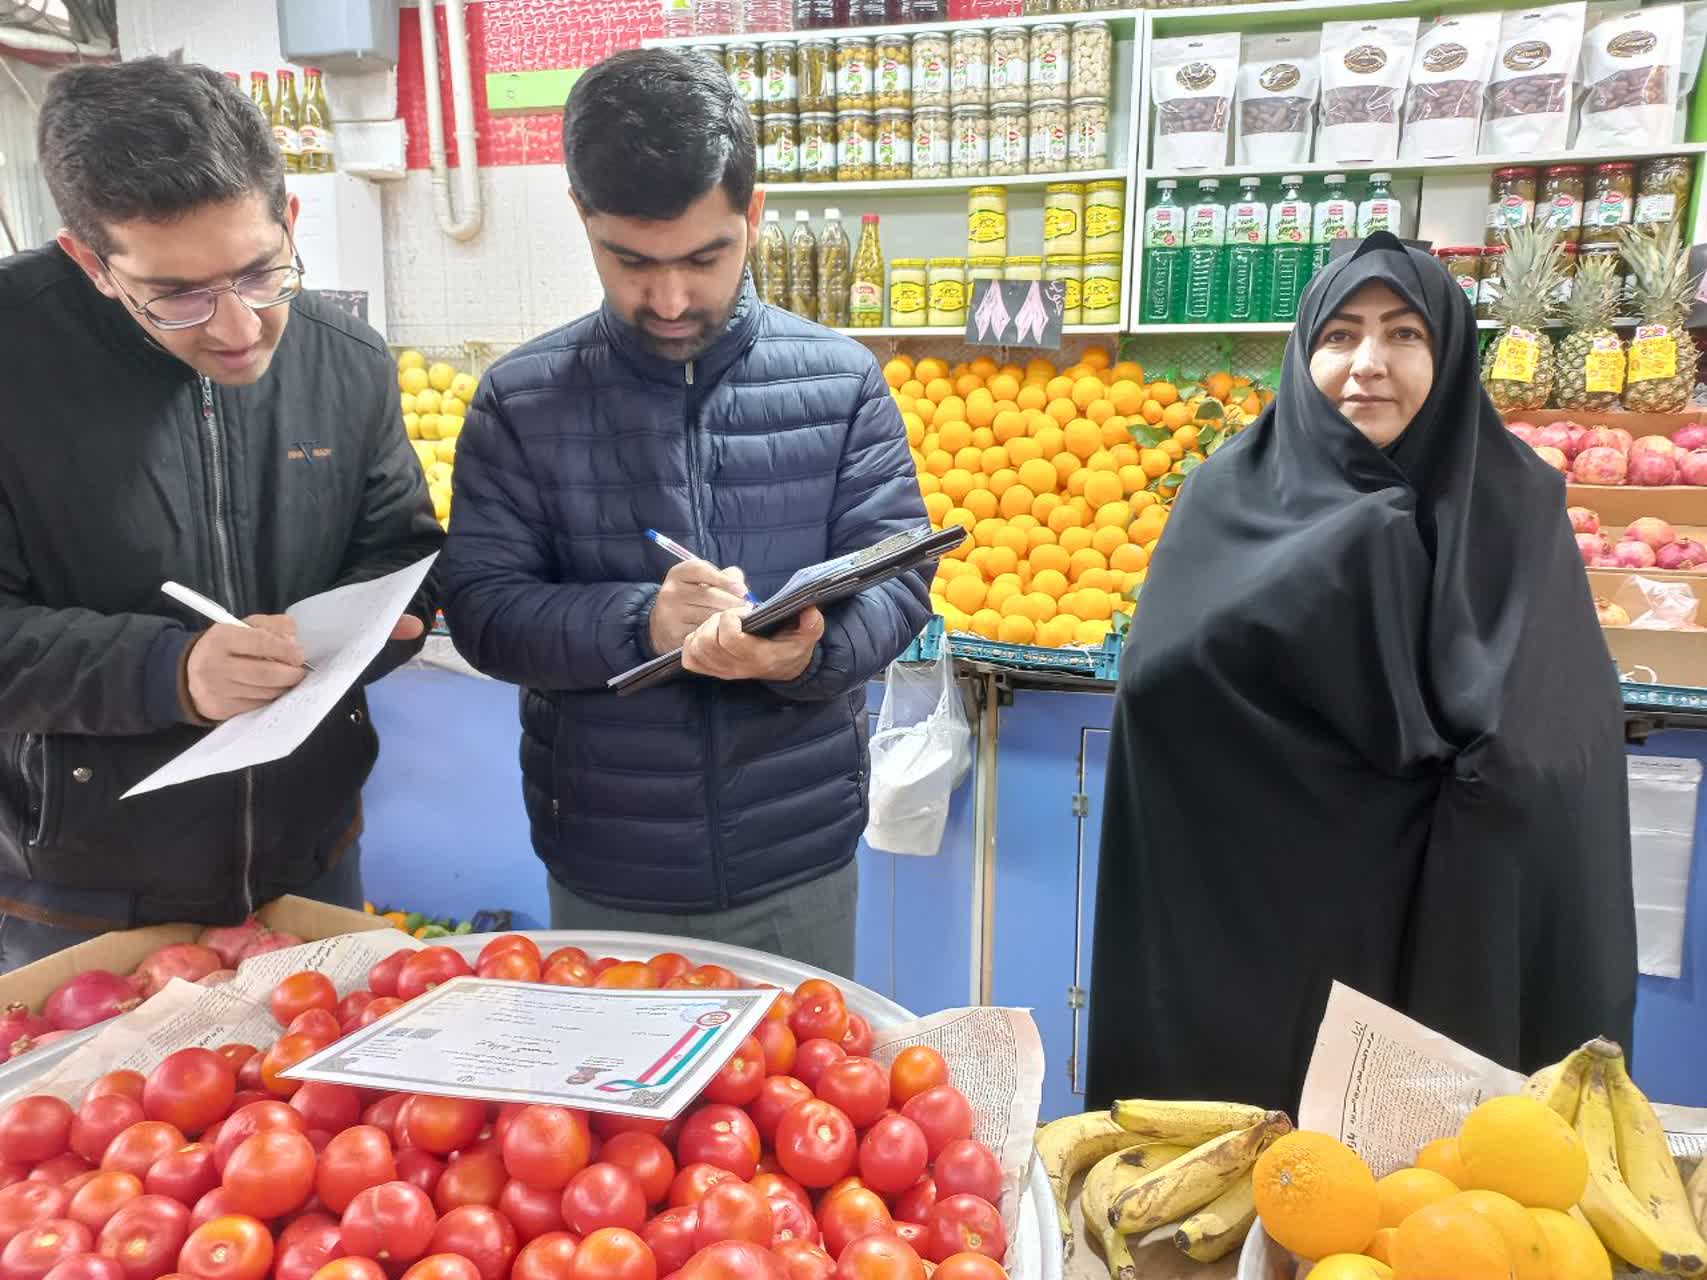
[(893, 146), (855, 74), (894, 73), (856, 146), (815, 75), (1662, 188)]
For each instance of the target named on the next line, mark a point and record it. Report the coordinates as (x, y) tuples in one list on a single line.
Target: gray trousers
[(812, 923)]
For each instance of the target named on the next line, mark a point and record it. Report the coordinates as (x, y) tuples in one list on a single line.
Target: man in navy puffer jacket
[(725, 804)]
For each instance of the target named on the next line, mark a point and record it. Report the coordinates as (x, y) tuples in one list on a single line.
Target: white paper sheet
[(341, 631)]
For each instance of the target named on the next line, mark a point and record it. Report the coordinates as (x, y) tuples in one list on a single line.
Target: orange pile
[(1042, 470)]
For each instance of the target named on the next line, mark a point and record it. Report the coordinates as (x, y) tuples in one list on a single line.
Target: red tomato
[(510, 966), (713, 976), (318, 1024), (815, 1144), (773, 1186), (443, 1266), (190, 1089), (532, 1212), (34, 1129), (145, 1236), (667, 965), (575, 954), (249, 1074), (968, 1167), (350, 1008), (670, 1236), (511, 942), (820, 1012), (631, 975), (779, 1047), (381, 1006), (383, 1114), (128, 1083), (606, 1125), (893, 1155), (568, 973), (915, 1205), (86, 1266), (475, 1177), (332, 1107), (218, 1203), (184, 1175), (429, 968), (61, 1169), (390, 1223), (483, 1236), (943, 1113), (965, 1224), (613, 1253), (442, 1125), (351, 1269), (915, 1070), (285, 1053), (694, 1181), (734, 1211), (546, 1258), (970, 1266), (382, 978), (733, 1260), (546, 1146), (813, 1058), (883, 1256), (804, 1261), (245, 1123), (738, 1081), (782, 1008), (36, 1250), (421, 1168), (270, 1174), (301, 992), (777, 1097), (723, 1136), (604, 1195), (859, 1039), (306, 1245), (358, 1158), (101, 1119), (235, 1247), (849, 1216), (859, 1086), (914, 1233), (648, 1159), (97, 1200), (792, 1220), (138, 1147)]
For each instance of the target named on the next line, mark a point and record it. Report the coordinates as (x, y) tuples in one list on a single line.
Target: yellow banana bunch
[(1069, 1146), (1221, 1226), (1698, 1195), (1186, 1124), (1560, 1086), (1195, 1179), (1103, 1186)]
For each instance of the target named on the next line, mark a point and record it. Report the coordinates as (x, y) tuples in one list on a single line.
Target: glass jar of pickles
[(931, 76), (815, 76), (856, 146), (782, 85), (1611, 202), (894, 75), (1105, 217), (971, 130), (907, 293), (987, 222), (946, 306), (1511, 202), (781, 137), (1100, 299), (969, 68), (933, 143), (1047, 152), (1051, 62), (742, 64), (1489, 290), (1069, 272), (1064, 219), (1560, 203), (818, 147), (1087, 137), (892, 158), (1023, 267), (1464, 264), (1663, 185), (855, 74), (1010, 66)]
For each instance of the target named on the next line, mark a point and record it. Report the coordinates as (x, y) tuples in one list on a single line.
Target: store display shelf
[(1124, 22), (1404, 168), (938, 186), (1273, 15), (1285, 326), (1070, 331)]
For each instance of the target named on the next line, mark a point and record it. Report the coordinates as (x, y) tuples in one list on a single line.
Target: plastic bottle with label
[(803, 267), (1163, 287), (865, 296), (771, 261), (1379, 210), (1205, 255), (1289, 258), (1247, 255), (1335, 219)]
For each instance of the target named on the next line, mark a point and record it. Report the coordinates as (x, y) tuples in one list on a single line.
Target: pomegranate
[(1554, 458), (1651, 530), (1610, 615), (1524, 431), (1603, 438), (1555, 435), (18, 1023), (1652, 469), (1599, 465), (1686, 554), (92, 996), (271, 942), (1634, 555), (1592, 546), (1578, 434), (1653, 444), (1690, 436), (187, 960), (1625, 441), (1692, 467), (231, 940), (1583, 520)]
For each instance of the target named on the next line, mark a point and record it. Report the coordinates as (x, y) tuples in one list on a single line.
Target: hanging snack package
[(1192, 81), (1365, 66), (1278, 75), (1449, 78), (1694, 46), (1630, 79), (1529, 101)]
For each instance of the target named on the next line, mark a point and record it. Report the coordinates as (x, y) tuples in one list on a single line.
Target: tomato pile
[(804, 1159)]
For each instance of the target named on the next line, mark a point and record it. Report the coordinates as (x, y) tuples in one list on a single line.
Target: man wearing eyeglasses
[(178, 409)]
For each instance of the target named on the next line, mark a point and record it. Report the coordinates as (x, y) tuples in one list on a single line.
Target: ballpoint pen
[(682, 553), (212, 610)]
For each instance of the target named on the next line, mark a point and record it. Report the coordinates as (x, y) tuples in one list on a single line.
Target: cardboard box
[(1637, 424), (1614, 529), (1660, 657), (1619, 505), (124, 949)]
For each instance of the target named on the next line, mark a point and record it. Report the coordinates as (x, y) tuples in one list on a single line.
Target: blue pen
[(682, 553)]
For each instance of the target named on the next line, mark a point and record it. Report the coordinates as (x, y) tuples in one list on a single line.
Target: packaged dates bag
[(1631, 63), (1694, 46), (1529, 100), (1192, 80), (1276, 112), (1365, 66), (1449, 78)]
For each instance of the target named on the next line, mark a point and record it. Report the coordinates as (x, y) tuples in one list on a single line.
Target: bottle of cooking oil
[(835, 257), (865, 298), (803, 267), (287, 122), (316, 124)]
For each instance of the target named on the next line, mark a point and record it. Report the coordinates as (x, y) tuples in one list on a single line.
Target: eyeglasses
[(258, 290)]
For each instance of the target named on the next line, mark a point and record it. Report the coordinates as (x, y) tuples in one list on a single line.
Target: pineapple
[(1659, 261), (1529, 281), (1593, 303)]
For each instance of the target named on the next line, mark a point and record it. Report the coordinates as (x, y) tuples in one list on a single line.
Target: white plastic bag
[(919, 754)]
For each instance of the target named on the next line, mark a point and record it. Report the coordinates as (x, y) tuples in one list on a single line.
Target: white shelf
[(1404, 168), (1124, 21), (1284, 326), (938, 186), (1068, 331)]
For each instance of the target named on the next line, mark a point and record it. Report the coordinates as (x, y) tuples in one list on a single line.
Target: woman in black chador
[(1367, 728)]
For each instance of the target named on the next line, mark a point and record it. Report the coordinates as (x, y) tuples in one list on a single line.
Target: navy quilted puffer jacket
[(778, 448)]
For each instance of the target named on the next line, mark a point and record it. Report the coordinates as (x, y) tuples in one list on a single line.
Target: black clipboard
[(818, 584)]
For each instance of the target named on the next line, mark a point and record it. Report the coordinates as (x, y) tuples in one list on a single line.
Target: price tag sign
[(1653, 354), (1603, 369), (1016, 313), (1519, 354)]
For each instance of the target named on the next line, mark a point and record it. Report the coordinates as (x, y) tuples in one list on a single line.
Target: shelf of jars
[(1123, 21), (935, 186)]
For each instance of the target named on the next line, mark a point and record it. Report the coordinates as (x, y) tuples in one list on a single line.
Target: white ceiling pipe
[(467, 226)]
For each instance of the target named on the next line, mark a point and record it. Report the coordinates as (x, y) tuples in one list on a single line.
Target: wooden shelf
[(1412, 168), (1069, 331), (937, 186)]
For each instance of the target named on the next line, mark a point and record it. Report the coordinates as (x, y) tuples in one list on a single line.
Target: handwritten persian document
[(341, 631)]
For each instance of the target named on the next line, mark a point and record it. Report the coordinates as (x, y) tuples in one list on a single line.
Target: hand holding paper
[(720, 648)]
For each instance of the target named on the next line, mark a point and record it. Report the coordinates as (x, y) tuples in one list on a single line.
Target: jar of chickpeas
[(932, 74), (1010, 65), (969, 68), (1050, 123), (971, 155), (1010, 136), (1092, 58), (933, 143)]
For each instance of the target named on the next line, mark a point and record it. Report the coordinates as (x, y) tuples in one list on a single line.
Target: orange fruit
[(1113, 515), (957, 483), (929, 484), (1176, 415), (915, 429), (984, 532), (1066, 464), (1052, 440), (938, 389), (983, 438), (1042, 606), (1060, 388), (1043, 504), (966, 384), (1173, 448), (1084, 560), (931, 368), (1004, 386), (999, 560), (1154, 462), (1081, 437), (1058, 631), (1001, 480), (1188, 436), (1142, 499), (1350, 1266), (1115, 434), (1522, 1148), (1062, 410), (1522, 1234), (1096, 357), (987, 623), (1127, 397), (1017, 629), (1076, 478), (984, 367), (1051, 582), (1048, 559), (1100, 411), (1219, 384), (980, 408), (1441, 1156), (1128, 558), (1074, 539), (1003, 589), (1013, 540), (953, 436), (1132, 479), (1094, 606), (939, 462), (1039, 536), (1008, 424), (1163, 393), (1316, 1196), (994, 459), (1031, 396), (962, 517), (1091, 633), (1573, 1249), (898, 371), (966, 593), (1408, 1190), (1016, 499), (951, 409), (1062, 518), (1087, 391), (1124, 453), (1448, 1240), (1039, 476), (913, 388), (938, 505), (1109, 539), (1381, 1248), (1130, 370), (1103, 488), (971, 459), (1023, 449), (1024, 520), (1151, 412)]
